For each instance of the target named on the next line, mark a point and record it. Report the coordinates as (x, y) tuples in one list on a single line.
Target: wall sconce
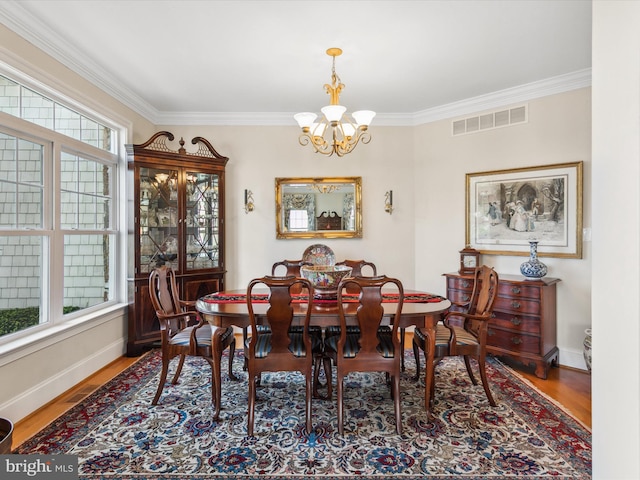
[(388, 202), (248, 201)]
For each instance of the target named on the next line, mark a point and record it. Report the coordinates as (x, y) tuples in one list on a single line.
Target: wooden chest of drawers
[(523, 326)]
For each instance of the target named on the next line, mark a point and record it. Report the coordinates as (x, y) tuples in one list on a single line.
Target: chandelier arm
[(320, 145), (347, 145)]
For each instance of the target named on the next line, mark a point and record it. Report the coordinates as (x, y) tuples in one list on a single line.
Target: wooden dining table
[(218, 311)]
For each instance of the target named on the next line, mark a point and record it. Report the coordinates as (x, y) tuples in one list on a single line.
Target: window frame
[(52, 268)]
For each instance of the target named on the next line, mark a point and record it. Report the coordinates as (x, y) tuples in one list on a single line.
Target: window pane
[(298, 220), (68, 202), (94, 134), (41, 110), (87, 212), (9, 97), (86, 271), (67, 122), (8, 154), (29, 206), (85, 193), (37, 108), (30, 159), (21, 188), (20, 283), (8, 205)]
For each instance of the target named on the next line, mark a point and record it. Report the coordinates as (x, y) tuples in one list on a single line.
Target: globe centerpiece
[(325, 278)]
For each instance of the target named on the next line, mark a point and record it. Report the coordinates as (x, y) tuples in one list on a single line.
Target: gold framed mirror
[(319, 207)]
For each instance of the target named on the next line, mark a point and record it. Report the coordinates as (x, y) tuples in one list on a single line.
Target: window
[(298, 220), (25, 103), (58, 228)]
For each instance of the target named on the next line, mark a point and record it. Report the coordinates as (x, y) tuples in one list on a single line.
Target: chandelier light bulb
[(333, 113), (363, 117), (305, 119)]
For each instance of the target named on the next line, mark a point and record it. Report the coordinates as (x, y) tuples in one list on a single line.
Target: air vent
[(489, 121)]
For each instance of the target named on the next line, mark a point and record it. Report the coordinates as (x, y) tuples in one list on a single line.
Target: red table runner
[(352, 298)]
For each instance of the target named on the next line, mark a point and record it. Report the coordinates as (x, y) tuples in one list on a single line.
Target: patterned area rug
[(117, 434)]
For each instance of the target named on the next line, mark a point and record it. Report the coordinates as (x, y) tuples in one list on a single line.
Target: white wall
[(558, 131), (425, 167), (260, 154), (616, 240)]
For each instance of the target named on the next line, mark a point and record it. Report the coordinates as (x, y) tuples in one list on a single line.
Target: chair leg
[(252, 404), (326, 361), (232, 353), (485, 383), (340, 405), (308, 394), (396, 402), (317, 364), (163, 379), (469, 371), (179, 369), (416, 355), (245, 335), (402, 331)]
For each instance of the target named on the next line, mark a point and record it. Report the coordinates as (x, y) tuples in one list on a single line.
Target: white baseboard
[(572, 358), (39, 395)]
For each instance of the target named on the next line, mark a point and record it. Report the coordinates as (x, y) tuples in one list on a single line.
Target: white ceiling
[(261, 61)]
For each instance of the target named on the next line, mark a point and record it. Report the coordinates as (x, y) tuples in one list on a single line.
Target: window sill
[(25, 345)]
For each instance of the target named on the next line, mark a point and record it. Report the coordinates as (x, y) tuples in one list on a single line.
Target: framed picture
[(505, 209)]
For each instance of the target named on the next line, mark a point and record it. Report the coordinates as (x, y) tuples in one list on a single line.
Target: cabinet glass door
[(158, 218), (202, 221)]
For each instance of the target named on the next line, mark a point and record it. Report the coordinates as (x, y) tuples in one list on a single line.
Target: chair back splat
[(284, 345)]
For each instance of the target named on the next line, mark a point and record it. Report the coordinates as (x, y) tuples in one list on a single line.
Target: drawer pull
[(466, 298), (466, 284), (490, 332), (516, 320), (515, 290), (516, 340), (515, 304)]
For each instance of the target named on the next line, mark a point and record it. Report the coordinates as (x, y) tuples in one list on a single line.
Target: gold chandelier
[(336, 132)]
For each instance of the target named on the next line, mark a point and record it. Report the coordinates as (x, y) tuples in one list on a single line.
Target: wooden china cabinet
[(176, 212), (523, 325)]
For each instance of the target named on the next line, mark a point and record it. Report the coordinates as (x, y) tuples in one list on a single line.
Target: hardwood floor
[(569, 387)]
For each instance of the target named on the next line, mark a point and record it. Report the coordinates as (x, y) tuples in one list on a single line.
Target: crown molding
[(17, 18), (502, 98), (490, 101)]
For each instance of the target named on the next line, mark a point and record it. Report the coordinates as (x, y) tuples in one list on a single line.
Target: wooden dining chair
[(369, 348), (291, 267), (182, 330), (464, 332), (281, 347), (359, 269)]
